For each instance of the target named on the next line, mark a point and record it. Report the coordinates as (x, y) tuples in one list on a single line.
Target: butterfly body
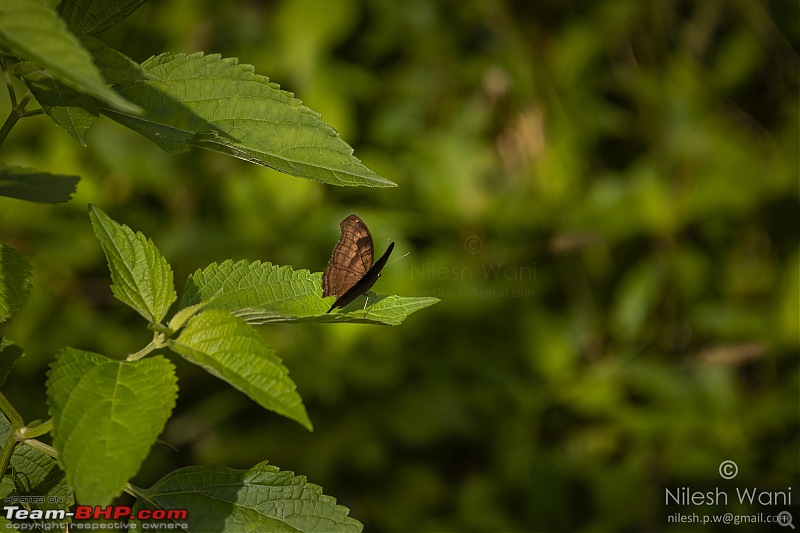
[(351, 272)]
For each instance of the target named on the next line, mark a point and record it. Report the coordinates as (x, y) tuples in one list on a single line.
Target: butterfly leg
[(366, 302)]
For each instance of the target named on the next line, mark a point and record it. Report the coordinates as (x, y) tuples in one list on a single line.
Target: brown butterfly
[(350, 271)]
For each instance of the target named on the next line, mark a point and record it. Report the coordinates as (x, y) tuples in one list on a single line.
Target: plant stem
[(39, 445), (157, 342), (17, 112), (8, 450), (11, 442), (134, 491), (25, 435), (12, 119), (11, 94), (141, 353), (11, 413), (36, 431)]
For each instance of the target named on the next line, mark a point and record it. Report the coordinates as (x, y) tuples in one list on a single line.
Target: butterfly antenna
[(398, 259)]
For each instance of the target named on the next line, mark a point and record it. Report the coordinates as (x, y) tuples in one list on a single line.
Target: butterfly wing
[(365, 282), (351, 258)]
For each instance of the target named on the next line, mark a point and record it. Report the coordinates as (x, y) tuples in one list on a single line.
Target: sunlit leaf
[(71, 110), (218, 104), (231, 350), (262, 292), (106, 415), (142, 277), (30, 30), (115, 66)]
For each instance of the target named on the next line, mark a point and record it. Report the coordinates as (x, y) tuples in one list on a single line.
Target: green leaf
[(115, 66), (93, 16), (219, 105), (37, 474), (244, 285), (6, 489), (15, 281), (142, 277), (390, 310), (35, 185), (106, 414), (262, 293), (263, 498), (30, 30), (71, 110), (229, 349), (9, 353), (181, 317)]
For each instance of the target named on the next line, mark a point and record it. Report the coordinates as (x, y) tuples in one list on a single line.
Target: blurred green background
[(604, 195)]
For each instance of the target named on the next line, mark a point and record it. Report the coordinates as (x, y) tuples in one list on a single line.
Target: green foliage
[(9, 353), (219, 105), (15, 281), (36, 482), (35, 185), (31, 30), (93, 16), (602, 194), (231, 350), (260, 499), (263, 293), (73, 111), (221, 343), (107, 414), (177, 101), (142, 277)]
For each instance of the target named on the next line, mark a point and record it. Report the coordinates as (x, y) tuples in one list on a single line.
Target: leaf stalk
[(36, 431), (16, 113), (12, 414), (159, 341)]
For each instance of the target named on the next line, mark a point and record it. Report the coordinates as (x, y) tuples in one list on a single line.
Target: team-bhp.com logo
[(88, 512)]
